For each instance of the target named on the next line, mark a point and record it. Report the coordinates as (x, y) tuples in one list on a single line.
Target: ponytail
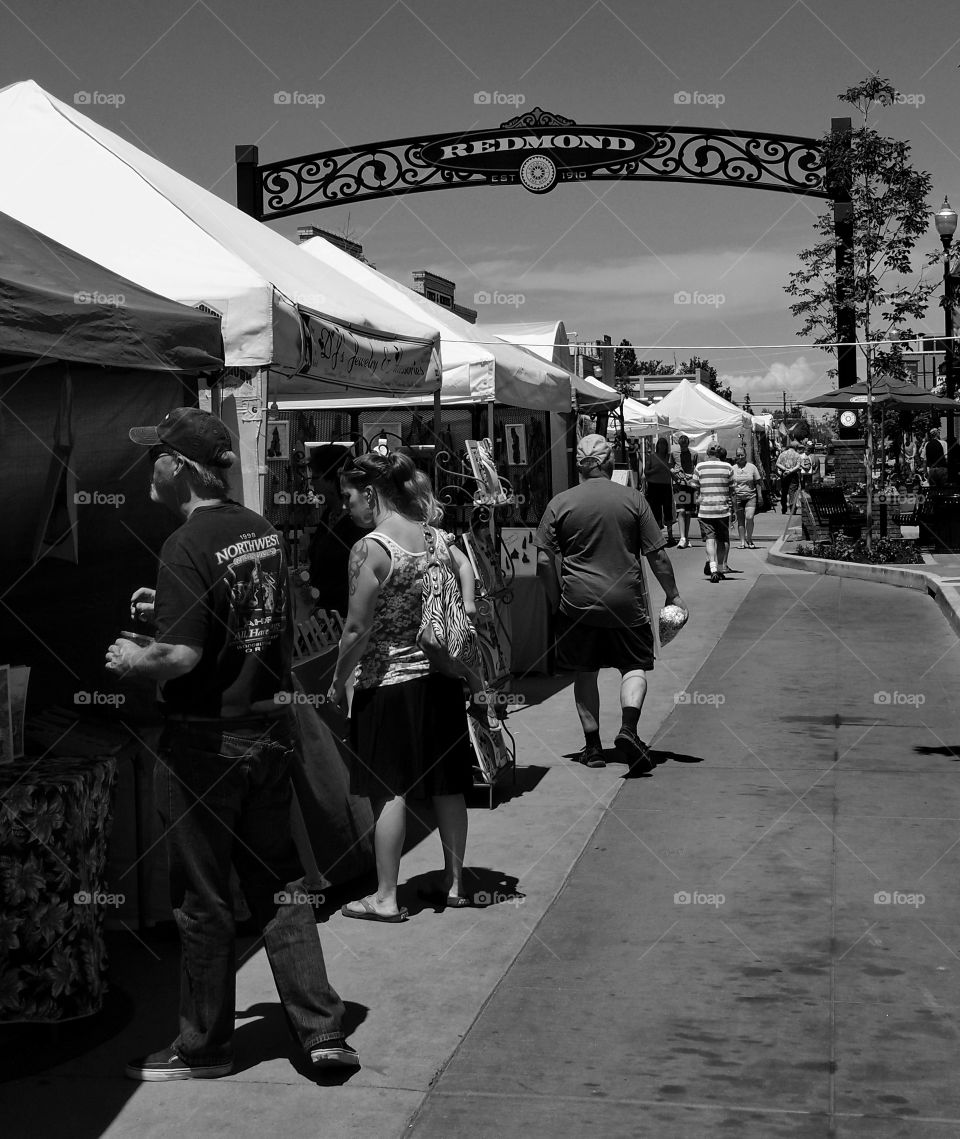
[(392, 476)]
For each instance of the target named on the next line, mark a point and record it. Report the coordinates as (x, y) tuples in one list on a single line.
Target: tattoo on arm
[(358, 555)]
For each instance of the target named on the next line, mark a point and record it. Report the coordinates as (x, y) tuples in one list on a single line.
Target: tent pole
[(490, 427)]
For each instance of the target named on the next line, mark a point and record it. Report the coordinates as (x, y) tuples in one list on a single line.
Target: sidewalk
[(760, 938), (553, 1009)]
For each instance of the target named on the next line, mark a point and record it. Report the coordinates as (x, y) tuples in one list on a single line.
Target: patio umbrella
[(885, 391)]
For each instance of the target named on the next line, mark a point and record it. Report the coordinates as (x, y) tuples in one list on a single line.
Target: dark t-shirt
[(223, 588), (599, 530), (329, 556), (934, 454)]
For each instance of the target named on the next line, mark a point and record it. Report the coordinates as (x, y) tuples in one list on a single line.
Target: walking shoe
[(634, 750), (715, 577), (335, 1053), (682, 544), (167, 1065), (592, 756)]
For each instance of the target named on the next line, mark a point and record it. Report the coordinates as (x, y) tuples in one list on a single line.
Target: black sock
[(593, 739), (630, 717)]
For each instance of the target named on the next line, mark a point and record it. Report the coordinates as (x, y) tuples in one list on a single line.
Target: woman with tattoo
[(408, 728)]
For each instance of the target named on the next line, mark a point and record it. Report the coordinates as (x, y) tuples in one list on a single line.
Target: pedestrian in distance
[(598, 531), (935, 457), (713, 478), (658, 486), (748, 494), (222, 656), (682, 469), (788, 467), (408, 725)]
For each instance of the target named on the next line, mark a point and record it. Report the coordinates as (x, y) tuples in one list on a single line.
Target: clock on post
[(848, 418)]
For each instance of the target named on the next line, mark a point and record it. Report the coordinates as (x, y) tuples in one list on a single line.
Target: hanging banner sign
[(538, 157), (369, 361)]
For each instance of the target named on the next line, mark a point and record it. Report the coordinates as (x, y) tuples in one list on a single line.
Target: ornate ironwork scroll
[(539, 150)]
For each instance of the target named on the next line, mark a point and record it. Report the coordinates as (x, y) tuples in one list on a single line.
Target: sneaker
[(636, 752), (715, 577), (682, 544), (592, 756), (335, 1053), (167, 1065)]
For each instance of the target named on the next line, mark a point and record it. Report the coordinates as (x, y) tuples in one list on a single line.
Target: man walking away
[(222, 656), (935, 456), (599, 530), (714, 479)]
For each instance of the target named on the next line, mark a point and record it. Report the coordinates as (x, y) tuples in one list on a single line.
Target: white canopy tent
[(640, 420), (704, 416), (549, 342), (280, 312), (474, 369)]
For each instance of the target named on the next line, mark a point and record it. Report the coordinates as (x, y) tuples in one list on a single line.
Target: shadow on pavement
[(952, 750), (483, 886), (537, 689), (268, 1038), (661, 756)]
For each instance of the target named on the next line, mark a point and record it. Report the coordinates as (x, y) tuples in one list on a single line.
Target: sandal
[(369, 912)]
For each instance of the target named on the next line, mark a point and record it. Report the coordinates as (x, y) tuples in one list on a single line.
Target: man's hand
[(678, 601), (121, 656), (142, 603)]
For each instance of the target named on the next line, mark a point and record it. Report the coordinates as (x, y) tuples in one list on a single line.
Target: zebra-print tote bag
[(446, 636)]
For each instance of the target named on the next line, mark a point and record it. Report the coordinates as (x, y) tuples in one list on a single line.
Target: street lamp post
[(946, 221)]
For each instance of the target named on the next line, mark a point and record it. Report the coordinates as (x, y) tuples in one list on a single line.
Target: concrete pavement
[(612, 1008)]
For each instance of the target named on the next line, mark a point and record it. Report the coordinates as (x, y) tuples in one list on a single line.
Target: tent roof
[(125, 210), (56, 304), (884, 390), (476, 367), (549, 341), (693, 407), (546, 339)]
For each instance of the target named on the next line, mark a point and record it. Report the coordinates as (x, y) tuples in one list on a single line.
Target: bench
[(826, 512)]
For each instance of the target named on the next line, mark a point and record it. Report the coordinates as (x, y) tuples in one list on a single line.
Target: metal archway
[(540, 150)]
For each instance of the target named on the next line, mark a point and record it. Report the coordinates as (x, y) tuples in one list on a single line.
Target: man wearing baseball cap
[(222, 656), (598, 531)]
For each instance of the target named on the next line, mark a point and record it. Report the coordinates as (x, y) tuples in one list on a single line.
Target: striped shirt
[(714, 480)]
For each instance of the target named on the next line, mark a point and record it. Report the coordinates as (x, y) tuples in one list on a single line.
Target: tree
[(624, 360), (882, 282), (710, 380)]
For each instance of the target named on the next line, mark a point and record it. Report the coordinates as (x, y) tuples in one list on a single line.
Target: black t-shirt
[(223, 588), (329, 557), (934, 454), (600, 530)]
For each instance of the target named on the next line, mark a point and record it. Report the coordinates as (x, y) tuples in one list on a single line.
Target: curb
[(924, 580)]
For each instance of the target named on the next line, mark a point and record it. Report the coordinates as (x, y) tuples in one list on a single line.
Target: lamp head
[(946, 221)]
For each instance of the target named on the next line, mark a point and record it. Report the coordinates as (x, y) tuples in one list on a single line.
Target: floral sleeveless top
[(392, 655)]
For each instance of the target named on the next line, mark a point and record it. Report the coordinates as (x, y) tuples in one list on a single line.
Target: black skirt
[(410, 739)]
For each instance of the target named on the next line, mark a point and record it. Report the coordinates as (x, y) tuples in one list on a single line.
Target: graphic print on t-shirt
[(256, 600)]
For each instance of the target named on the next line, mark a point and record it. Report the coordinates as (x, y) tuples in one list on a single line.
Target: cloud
[(800, 380)]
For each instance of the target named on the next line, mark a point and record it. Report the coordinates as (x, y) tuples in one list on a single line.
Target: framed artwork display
[(518, 551), (516, 439), (278, 439)]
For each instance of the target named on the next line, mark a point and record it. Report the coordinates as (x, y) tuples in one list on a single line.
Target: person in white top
[(748, 487)]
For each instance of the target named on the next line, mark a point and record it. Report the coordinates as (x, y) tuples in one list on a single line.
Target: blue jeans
[(224, 798)]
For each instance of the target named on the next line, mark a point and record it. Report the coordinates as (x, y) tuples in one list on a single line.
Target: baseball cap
[(592, 448), (195, 434)]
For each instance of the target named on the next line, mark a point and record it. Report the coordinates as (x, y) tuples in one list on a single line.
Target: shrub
[(843, 549)]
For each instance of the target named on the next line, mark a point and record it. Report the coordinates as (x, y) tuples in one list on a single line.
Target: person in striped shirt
[(714, 480)]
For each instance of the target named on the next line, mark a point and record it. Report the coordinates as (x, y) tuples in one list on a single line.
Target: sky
[(188, 80)]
